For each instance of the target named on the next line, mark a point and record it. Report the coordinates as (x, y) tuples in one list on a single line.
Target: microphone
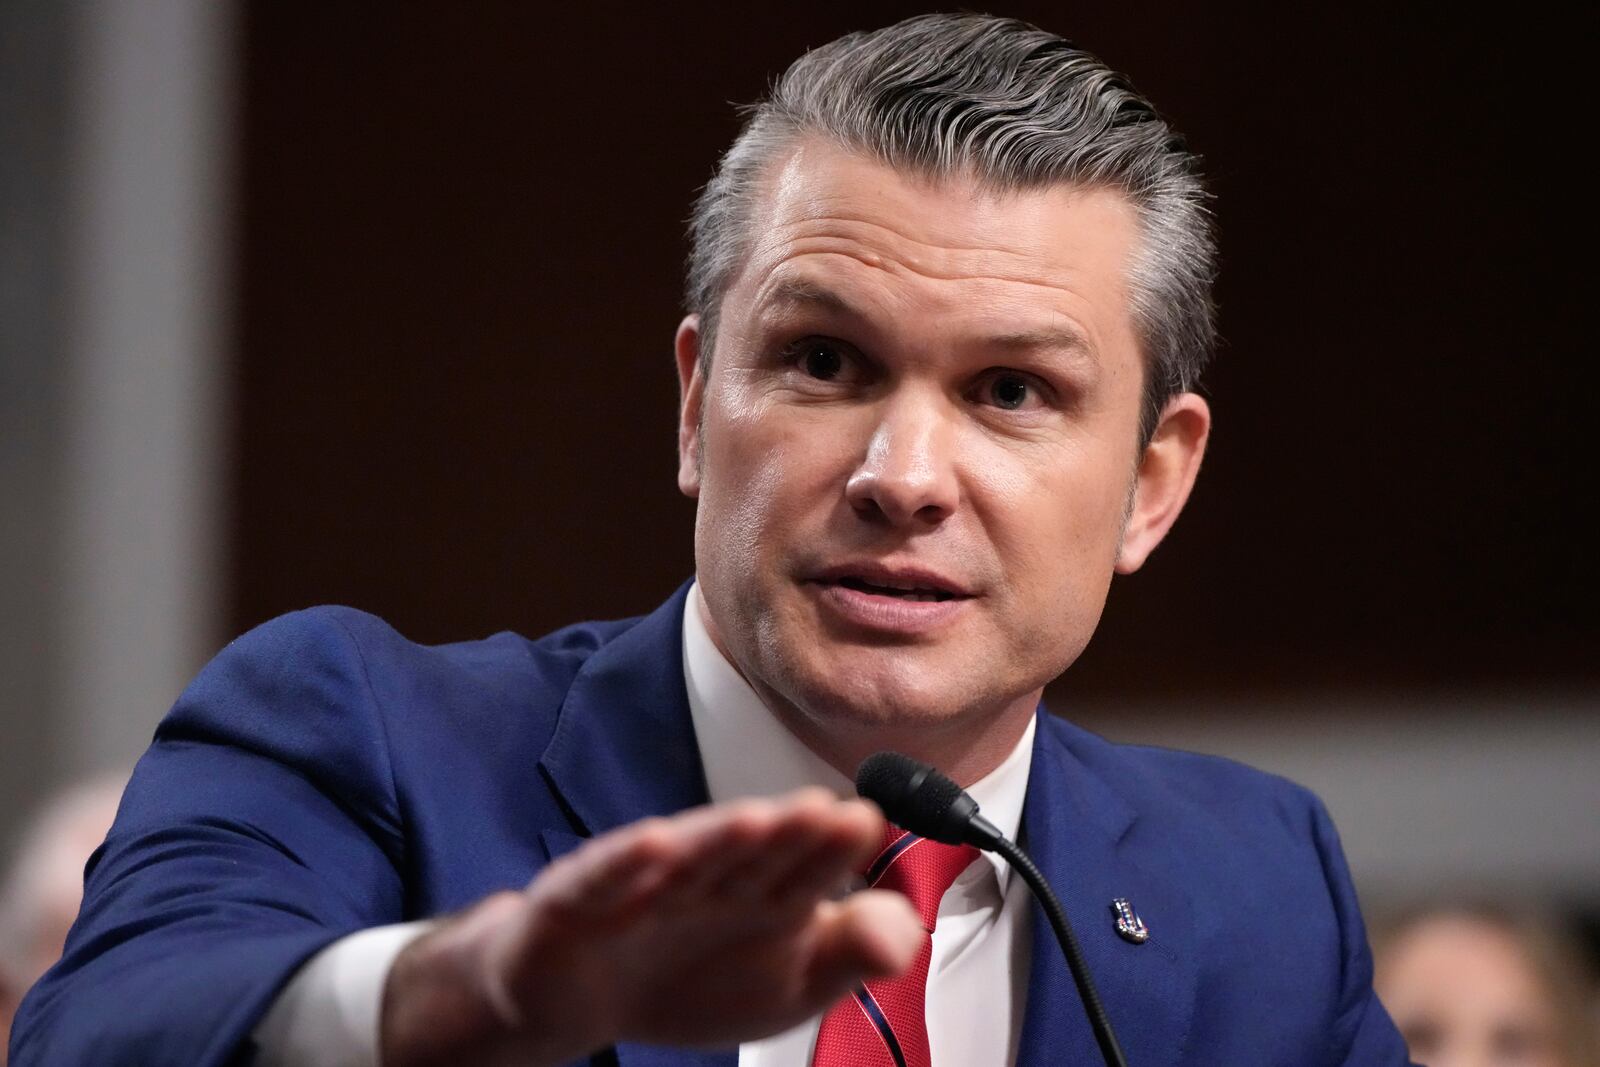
[(923, 800)]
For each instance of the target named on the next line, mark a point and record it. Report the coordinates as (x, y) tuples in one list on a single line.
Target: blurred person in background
[(1478, 985), (43, 884)]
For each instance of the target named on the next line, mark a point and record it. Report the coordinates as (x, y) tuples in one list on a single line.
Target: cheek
[(763, 478), (1055, 518), (1054, 525)]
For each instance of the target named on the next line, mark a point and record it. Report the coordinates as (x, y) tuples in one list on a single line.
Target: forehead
[(829, 216)]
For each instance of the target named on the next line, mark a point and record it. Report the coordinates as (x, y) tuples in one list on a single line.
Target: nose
[(907, 476)]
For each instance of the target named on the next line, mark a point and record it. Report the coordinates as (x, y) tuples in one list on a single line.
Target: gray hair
[(1011, 106)]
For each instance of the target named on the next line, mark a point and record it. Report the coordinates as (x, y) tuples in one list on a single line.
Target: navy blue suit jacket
[(323, 775)]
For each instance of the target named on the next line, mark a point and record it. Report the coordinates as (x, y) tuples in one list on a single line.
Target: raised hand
[(710, 927)]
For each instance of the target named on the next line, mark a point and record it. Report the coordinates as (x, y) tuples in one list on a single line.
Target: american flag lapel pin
[(1131, 928)]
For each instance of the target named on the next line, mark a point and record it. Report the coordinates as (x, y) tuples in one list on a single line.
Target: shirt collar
[(747, 752)]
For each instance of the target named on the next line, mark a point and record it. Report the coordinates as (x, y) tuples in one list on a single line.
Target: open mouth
[(900, 592)]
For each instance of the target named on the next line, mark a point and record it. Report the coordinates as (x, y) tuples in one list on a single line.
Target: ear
[(691, 391), (1166, 474)]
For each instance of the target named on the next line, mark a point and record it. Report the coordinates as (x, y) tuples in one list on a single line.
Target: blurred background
[(306, 303)]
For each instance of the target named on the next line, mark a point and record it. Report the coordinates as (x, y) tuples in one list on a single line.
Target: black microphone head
[(916, 797)]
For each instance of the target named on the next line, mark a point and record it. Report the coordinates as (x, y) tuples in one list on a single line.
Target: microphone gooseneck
[(926, 802), (1103, 1034)]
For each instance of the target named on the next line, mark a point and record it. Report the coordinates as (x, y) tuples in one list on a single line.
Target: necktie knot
[(920, 869)]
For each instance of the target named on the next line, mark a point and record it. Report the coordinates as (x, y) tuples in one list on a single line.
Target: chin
[(880, 690)]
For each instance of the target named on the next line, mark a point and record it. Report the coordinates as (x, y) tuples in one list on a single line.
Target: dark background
[(460, 252)]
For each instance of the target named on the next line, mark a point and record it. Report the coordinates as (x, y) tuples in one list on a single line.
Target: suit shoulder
[(1211, 787), (375, 636), (348, 699), (505, 665), (559, 652)]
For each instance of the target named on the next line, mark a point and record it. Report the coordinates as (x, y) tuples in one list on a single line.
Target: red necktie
[(881, 1024)]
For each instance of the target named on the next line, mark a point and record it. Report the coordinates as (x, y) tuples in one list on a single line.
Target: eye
[(1010, 391), (819, 358), (818, 361)]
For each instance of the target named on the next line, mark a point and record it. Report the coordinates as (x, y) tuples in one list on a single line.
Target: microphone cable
[(925, 801)]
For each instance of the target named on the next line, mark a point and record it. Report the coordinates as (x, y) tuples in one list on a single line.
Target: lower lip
[(886, 614)]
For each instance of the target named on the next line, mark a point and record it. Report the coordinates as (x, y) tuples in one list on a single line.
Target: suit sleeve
[(261, 825), (1363, 1034)]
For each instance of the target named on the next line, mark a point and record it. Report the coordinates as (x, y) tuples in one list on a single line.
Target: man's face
[(917, 445)]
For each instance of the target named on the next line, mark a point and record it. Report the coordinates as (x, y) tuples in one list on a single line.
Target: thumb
[(871, 934)]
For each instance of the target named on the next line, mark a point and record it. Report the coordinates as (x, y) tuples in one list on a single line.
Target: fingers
[(796, 849), (821, 855), (871, 934), (612, 873), (740, 840), (790, 849)]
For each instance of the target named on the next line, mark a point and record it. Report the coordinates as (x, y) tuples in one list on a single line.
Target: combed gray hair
[(1011, 106)]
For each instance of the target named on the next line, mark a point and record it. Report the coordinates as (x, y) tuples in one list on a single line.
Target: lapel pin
[(1131, 928)]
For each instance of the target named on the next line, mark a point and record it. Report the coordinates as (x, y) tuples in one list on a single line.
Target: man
[(948, 297)]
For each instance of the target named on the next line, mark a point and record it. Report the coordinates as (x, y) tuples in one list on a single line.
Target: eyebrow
[(1059, 339), (1056, 339), (804, 291)]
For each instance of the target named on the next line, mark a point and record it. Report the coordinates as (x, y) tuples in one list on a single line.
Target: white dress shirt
[(327, 1015)]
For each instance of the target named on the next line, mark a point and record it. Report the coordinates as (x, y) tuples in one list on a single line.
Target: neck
[(967, 751)]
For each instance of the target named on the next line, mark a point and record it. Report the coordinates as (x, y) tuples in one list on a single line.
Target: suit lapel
[(1076, 829), (624, 749), (624, 745)]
